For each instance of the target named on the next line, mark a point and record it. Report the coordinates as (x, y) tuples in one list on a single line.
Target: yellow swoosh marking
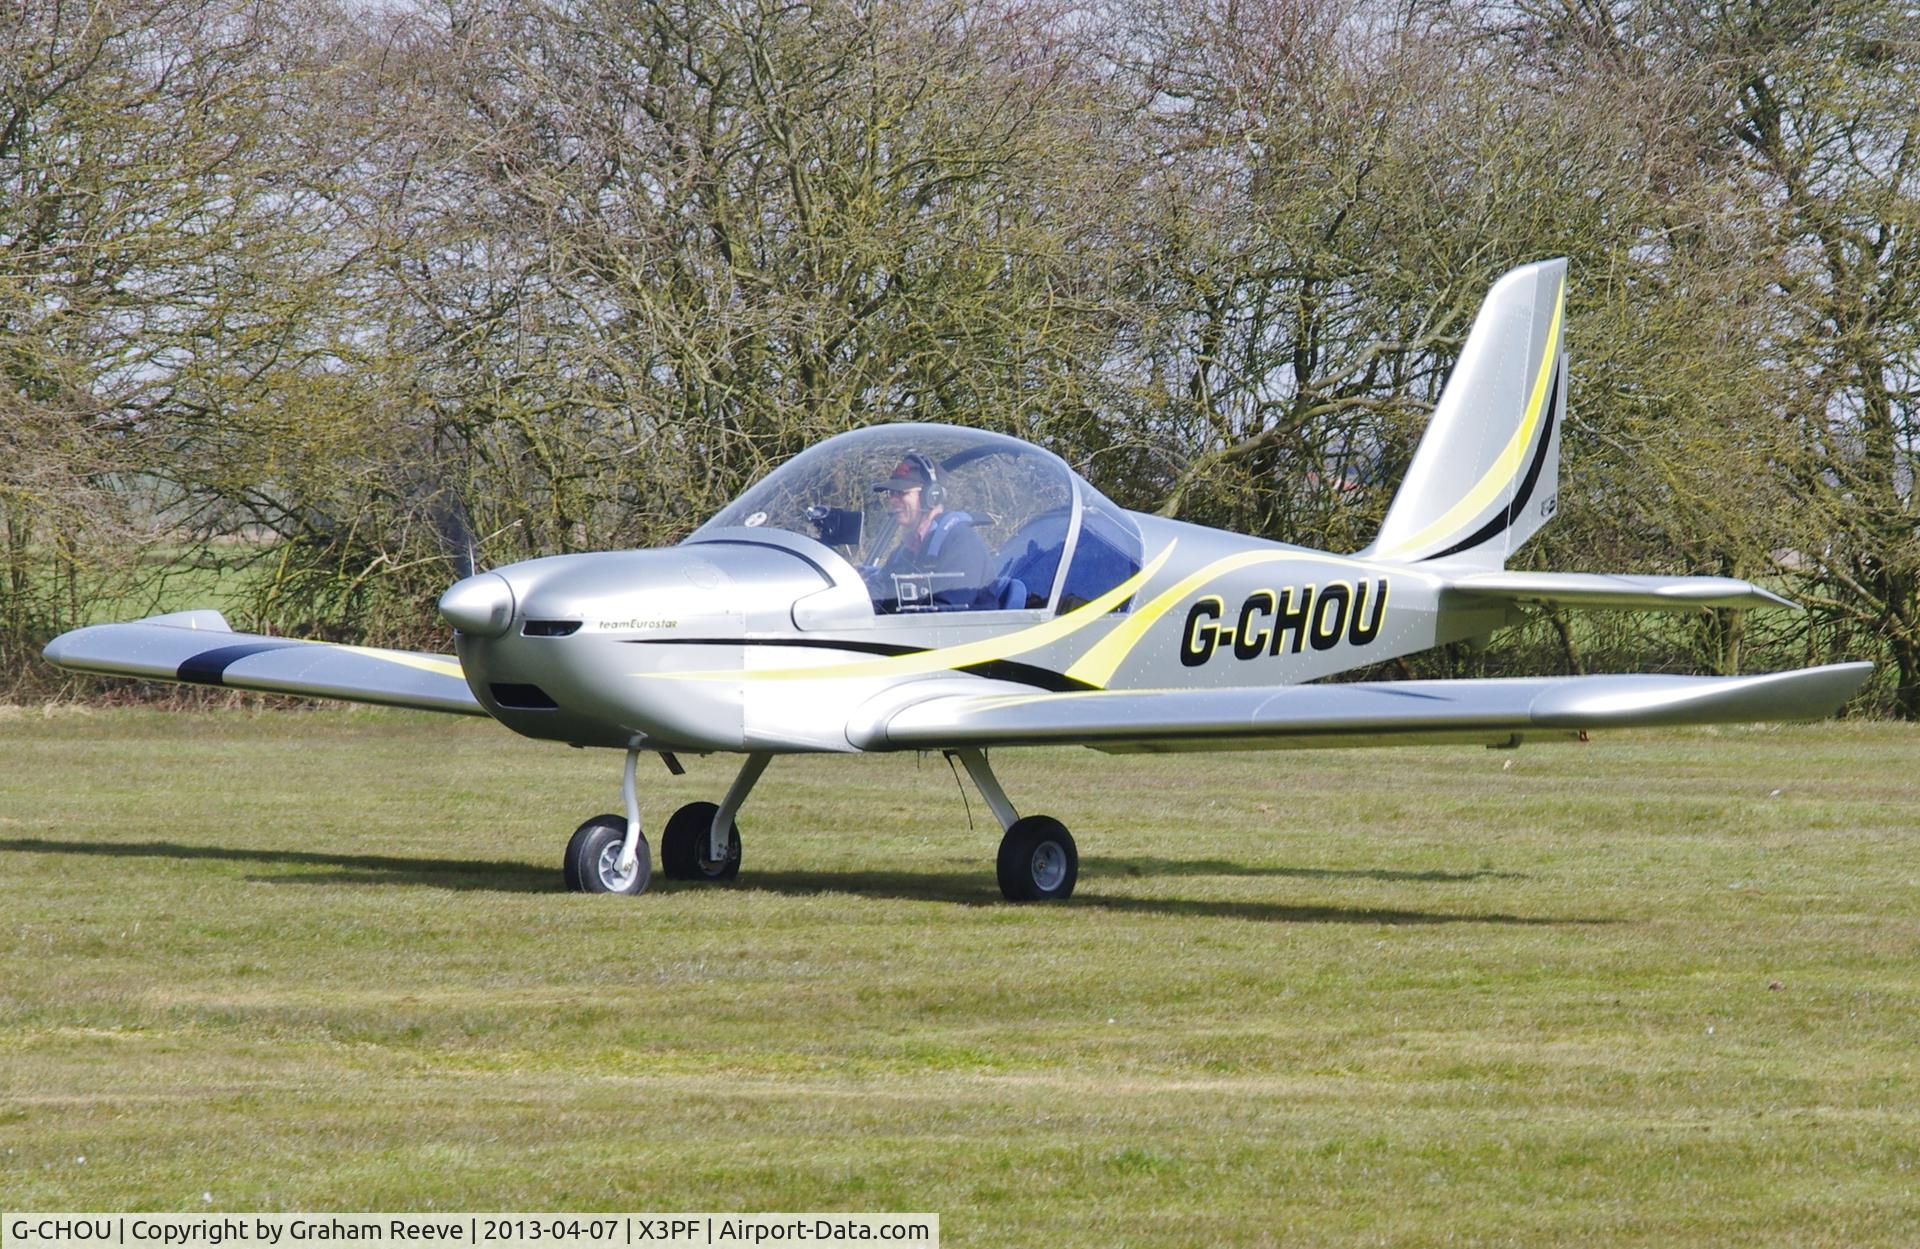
[(1506, 466), (441, 665), (997, 702), (1097, 666), (960, 656)]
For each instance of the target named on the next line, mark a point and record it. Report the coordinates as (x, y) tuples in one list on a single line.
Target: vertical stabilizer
[(1487, 474)]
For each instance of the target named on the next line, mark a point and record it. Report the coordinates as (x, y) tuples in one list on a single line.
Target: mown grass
[(1660, 989)]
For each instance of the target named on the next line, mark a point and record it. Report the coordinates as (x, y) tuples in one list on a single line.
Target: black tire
[(594, 852), (1038, 861), (683, 846)]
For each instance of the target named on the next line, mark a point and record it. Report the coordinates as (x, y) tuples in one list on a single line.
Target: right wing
[(936, 715), (1586, 589), (200, 648)]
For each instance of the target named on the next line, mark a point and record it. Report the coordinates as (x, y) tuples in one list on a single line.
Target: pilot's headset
[(934, 494)]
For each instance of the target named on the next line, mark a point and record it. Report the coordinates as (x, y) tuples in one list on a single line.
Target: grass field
[(1655, 990)]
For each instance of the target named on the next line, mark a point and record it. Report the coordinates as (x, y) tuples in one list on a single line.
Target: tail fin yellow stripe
[(1506, 466)]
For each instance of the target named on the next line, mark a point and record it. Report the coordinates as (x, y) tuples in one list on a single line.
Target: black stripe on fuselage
[(1500, 521), (888, 649), (209, 667), (1027, 674)]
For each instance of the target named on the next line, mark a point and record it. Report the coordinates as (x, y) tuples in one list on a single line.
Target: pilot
[(941, 563)]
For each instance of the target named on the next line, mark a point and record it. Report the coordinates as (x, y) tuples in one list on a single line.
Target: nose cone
[(481, 606)]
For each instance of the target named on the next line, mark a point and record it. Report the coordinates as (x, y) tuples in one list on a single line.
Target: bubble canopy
[(997, 524)]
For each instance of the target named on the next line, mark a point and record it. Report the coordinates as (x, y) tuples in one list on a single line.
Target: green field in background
[(1661, 989), (223, 577)]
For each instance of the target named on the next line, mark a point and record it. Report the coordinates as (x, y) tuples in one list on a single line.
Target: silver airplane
[(924, 587)]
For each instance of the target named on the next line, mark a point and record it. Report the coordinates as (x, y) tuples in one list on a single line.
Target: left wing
[(201, 648), (1496, 712)]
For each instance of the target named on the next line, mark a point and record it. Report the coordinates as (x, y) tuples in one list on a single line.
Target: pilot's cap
[(907, 475)]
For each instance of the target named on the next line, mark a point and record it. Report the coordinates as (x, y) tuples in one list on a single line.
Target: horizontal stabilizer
[(1576, 589), (198, 648), (1364, 713)]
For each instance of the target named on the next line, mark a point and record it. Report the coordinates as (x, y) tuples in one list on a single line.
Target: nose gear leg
[(629, 849)]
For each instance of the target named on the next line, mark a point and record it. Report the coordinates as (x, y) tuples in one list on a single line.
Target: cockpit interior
[(1052, 542)]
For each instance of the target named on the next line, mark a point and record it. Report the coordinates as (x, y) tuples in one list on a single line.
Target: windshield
[(935, 518)]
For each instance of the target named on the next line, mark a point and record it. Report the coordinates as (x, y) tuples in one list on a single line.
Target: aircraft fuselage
[(761, 640)]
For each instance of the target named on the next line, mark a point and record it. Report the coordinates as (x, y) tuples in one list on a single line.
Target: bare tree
[(138, 248)]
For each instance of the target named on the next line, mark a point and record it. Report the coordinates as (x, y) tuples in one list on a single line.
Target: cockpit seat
[(1004, 594), (1028, 561)]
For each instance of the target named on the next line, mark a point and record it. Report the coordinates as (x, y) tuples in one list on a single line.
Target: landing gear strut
[(1038, 861), (702, 843), (609, 854)]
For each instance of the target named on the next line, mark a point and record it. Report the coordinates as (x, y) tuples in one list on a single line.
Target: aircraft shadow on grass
[(965, 889), (959, 888), (500, 876), (1136, 865)]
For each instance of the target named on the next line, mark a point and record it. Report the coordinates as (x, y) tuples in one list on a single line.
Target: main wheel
[(684, 845), (592, 864), (1038, 860)]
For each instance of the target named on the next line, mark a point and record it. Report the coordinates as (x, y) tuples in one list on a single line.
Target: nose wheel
[(593, 865)]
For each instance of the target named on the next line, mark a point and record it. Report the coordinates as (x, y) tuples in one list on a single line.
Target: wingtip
[(61, 651), (1829, 687), (55, 652), (1856, 672)]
